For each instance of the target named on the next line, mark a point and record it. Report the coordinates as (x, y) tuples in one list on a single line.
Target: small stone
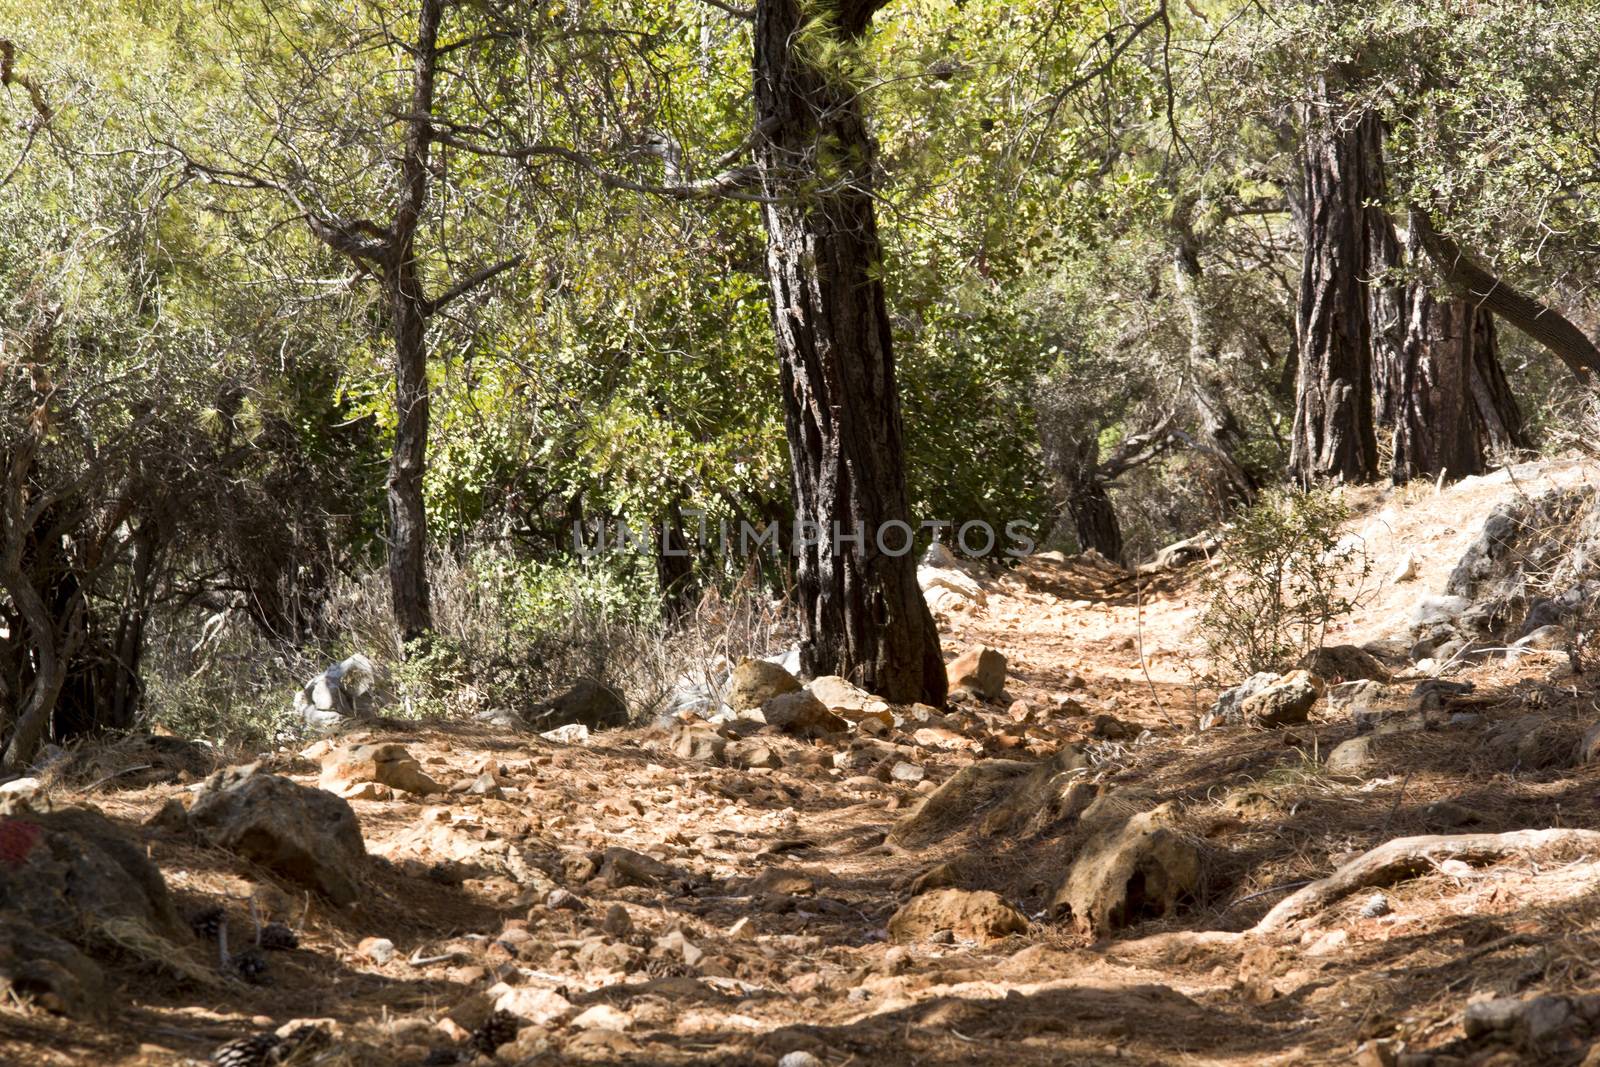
[(799, 1058), (907, 772), (603, 1017), (564, 900), (1377, 905), (379, 950)]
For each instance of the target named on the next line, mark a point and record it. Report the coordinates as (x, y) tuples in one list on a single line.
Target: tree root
[(1405, 857)]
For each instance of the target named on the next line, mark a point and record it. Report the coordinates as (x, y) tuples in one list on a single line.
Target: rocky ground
[(1059, 867)]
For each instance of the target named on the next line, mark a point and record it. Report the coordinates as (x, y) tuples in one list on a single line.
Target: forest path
[(747, 916)]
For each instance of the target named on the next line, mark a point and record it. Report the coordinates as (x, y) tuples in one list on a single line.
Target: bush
[(1283, 576)]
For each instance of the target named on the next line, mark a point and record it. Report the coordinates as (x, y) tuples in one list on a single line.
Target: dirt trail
[(761, 928)]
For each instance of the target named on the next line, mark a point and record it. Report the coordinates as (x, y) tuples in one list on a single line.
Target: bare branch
[(471, 282)]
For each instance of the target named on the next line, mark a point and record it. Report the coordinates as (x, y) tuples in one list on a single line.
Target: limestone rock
[(801, 713), (980, 669), (1139, 870), (1286, 701), (306, 835), (1352, 756), (386, 764), (970, 916), (756, 681)]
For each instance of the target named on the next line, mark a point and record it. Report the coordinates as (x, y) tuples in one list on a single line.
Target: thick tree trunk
[(1436, 429), (1094, 520), (1333, 436), (862, 612)]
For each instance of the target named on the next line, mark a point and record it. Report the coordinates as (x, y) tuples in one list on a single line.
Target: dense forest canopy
[(338, 325)]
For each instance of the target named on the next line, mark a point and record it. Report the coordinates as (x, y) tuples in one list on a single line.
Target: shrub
[(1283, 575)]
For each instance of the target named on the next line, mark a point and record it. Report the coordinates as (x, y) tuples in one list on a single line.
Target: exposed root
[(1406, 857)]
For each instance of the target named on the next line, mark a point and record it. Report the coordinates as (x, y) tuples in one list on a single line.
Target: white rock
[(799, 1058), (23, 787), (574, 733), (603, 1017)]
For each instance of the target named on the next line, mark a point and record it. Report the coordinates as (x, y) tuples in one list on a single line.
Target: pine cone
[(500, 1029), (276, 937), (259, 1050), (207, 922), (251, 965)]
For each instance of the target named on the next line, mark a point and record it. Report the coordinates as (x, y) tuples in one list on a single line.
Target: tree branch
[(471, 282), (1536, 319), (730, 184), (9, 76)]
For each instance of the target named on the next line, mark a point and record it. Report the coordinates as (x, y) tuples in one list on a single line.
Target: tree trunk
[(1436, 429), (408, 517), (408, 320), (862, 613), (1094, 520), (1498, 414), (1333, 436)]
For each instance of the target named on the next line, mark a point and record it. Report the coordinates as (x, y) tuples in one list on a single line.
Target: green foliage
[(1283, 576)]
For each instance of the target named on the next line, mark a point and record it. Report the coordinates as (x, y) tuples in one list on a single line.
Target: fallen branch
[(1405, 857)]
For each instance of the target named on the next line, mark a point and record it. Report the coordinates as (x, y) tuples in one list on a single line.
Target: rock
[(306, 835), (1226, 711), (756, 681), (564, 900), (980, 669), (971, 916), (1139, 870), (1358, 696), (801, 713), (910, 773), (574, 733), (852, 702), (751, 752), (588, 703), (1548, 638), (1111, 728), (386, 764), (1344, 663), (1434, 694), (379, 950), (1284, 702), (531, 1003), (1376, 906), (20, 787), (52, 974), (799, 1058), (343, 691), (698, 742), (1351, 757), (603, 1017)]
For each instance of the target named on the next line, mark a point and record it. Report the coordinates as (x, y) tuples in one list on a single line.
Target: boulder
[(588, 703), (698, 742), (50, 973), (845, 698), (1226, 711), (1357, 696), (1351, 757), (1286, 701), (801, 713), (756, 681), (1344, 663), (980, 669), (969, 916), (1138, 870), (346, 769), (308, 836), (342, 692)]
